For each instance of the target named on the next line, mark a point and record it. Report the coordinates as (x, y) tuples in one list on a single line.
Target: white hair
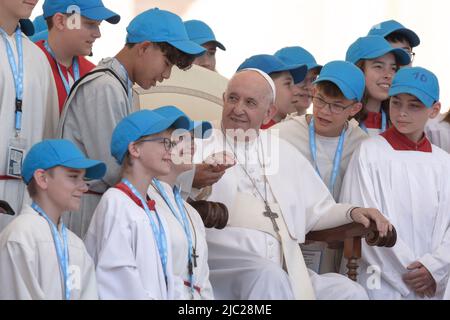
[(269, 81)]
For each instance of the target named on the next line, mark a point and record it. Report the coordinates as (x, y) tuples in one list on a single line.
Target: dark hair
[(330, 89), (447, 117), (176, 57), (397, 37), (361, 116)]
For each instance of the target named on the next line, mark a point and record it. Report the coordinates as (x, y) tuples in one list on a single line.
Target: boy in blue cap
[(298, 55), (39, 258), (156, 40), (188, 241), (397, 35), (128, 238), (285, 76), (401, 173), (328, 139), (73, 27), (28, 100), (199, 32), (379, 61)]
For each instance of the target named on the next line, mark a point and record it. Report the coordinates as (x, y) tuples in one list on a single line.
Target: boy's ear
[(435, 110), (133, 150), (59, 21), (40, 177), (143, 46), (354, 109), (270, 113)]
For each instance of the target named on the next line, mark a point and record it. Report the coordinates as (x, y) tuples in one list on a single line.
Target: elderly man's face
[(247, 102)]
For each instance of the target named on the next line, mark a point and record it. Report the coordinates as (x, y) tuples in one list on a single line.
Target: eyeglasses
[(334, 107), (168, 144)]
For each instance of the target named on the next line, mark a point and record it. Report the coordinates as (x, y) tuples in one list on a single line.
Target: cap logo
[(420, 76), (74, 20), (376, 27)]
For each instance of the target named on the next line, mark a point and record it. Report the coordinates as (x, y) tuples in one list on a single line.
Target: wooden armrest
[(351, 234)]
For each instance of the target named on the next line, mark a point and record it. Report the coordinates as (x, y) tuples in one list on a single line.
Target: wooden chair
[(350, 236)]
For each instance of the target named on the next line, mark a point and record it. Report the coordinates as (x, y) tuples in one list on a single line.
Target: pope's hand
[(365, 215)]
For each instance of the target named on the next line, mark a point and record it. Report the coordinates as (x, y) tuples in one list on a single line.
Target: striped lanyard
[(157, 227), (17, 71), (76, 68), (383, 123), (182, 218), (337, 155), (62, 249)]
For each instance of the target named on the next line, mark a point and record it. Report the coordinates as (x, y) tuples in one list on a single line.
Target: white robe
[(39, 113), (29, 267), (179, 248), (412, 189), (438, 132), (121, 242), (246, 263)]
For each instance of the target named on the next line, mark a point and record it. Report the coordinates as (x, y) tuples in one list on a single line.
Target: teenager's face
[(81, 40), (208, 59), (328, 123), (403, 44), (247, 102), (287, 94), (20, 9), (155, 156), (305, 91), (379, 73), (409, 115), (65, 187), (152, 66)]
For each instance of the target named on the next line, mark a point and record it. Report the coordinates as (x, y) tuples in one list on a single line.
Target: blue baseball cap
[(26, 26), (50, 153), (371, 47), (385, 28), (416, 81), (297, 55), (91, 9), (157, 25), (39, 24), (43, 35), (201, 33), (348, 77), (270, 64), (202, 129), (142, 123)]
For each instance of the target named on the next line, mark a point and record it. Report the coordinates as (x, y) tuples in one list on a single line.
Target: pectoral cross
[(272, 215), (194, 257)]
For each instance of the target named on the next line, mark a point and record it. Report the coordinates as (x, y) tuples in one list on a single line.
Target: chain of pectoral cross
[(268, 211)]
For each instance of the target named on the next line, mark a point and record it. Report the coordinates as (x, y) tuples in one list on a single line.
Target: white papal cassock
[(438, 131), (246, 257), (412, 189), (29, 267)]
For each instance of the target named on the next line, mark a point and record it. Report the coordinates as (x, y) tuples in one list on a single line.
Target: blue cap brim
[(412, 37), (202, 41), (43, 35), (314, 66), (101, 13), (188, 47), (426, 99), (298, 71), (401, 55), (202, 129), (94, 169), (345, 89)]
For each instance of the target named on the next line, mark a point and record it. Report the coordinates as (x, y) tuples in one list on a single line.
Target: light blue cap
[(418, 82), (271, 64), (385, 28), (297, 55), (371, 47), (48, 154), (202, 129), (348, 77), (42, 35), (142, 123), (157, 25), (199, 32), (39, 24), (91, 9)]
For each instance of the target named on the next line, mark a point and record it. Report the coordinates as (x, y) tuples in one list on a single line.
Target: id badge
[(313, 259), (16, 154)]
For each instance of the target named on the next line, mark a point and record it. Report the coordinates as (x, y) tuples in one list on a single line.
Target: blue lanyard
[(158, 230), (181, 216), (129, 84), (383, 123), (76, 68), (17, 71), (61, 248), (337, 155)]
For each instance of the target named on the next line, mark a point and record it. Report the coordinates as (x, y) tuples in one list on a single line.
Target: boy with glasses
[(397, 35), (327, 138)]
